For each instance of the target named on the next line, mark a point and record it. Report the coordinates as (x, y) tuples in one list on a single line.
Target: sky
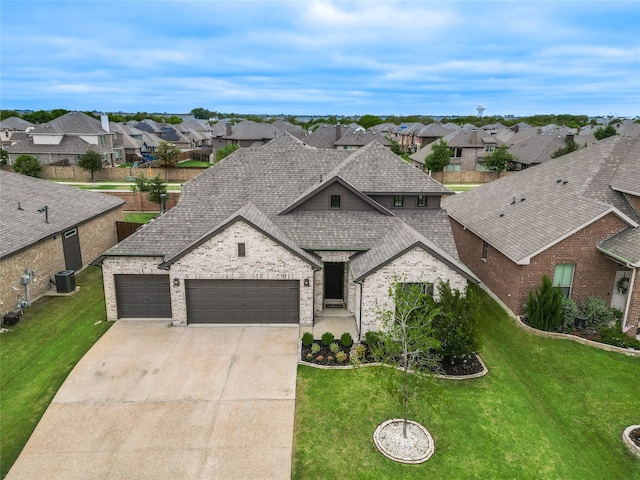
[(322, 57)]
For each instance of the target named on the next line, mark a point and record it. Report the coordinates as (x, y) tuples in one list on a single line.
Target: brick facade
[(593, 276), (416, 265), (46, 258)]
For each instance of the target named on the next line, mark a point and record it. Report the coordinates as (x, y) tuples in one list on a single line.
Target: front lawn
[(37, 354), (548, 409)]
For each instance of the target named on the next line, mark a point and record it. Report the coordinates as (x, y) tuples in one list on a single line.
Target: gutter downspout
[(629, 295)]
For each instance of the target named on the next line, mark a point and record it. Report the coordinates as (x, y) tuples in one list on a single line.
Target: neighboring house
[(325, 135), (468, 148), (573, 219), (354, 139), (287, 233), (48, 228), (431, 133), (249, 134), (10, 126), (539, 147), (129, 139), (62, 140)]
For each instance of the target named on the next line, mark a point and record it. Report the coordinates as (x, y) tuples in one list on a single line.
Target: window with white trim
[(563, 278)]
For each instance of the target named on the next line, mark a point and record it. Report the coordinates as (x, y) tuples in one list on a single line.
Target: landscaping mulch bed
[(634, 435), (467, 366)]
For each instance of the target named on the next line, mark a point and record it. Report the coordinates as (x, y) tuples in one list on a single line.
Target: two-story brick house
[(286, 233)]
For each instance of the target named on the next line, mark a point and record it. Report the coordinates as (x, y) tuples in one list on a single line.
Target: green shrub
[(315, 348), (328, 338), (28, 165), (544, 307), (570, 313), (358, 353), (372, 338), (597, 313), (346, 340), (456, 323), (307, 339), (334, 347), (616, 337)]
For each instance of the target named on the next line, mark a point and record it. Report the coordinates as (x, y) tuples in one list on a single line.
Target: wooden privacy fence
[(179, 175), (139, 202), (124, 229), (468, 177)]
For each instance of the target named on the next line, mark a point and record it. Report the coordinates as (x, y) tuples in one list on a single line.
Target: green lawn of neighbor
[(37, 354), (193, 164), (461, 187), (548, 409), (139, 217)]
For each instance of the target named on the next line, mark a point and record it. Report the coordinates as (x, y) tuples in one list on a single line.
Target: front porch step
[(335, 321)]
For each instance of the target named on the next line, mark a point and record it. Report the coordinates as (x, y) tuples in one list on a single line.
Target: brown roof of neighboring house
[(525, 213)]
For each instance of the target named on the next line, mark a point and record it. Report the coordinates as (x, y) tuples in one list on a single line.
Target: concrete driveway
[(152, 401)]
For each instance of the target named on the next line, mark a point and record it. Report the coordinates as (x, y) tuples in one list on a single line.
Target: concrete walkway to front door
[(153, 401)]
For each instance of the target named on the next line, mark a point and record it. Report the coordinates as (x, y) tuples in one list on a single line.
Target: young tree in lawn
[(499, 159), (156, 188), (407, 340), (91, 162), (28, 165), (439, 157), (167, 154)]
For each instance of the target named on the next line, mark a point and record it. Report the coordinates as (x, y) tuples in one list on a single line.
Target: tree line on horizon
[(366, 121)]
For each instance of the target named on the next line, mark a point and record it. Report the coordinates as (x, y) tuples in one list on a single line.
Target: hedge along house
[(286, 233), (48, 228), (574, 219)]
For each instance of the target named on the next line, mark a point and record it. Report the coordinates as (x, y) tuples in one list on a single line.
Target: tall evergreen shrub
[(545, 307)]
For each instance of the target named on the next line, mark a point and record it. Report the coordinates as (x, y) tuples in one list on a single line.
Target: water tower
[(480, 109)]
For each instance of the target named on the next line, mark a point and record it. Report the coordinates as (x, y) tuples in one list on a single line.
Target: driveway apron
[(152, 401)]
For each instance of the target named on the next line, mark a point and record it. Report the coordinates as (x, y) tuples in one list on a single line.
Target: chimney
[(474, 137), (338, 132), (228, 129), (569, 138), (104, 121)]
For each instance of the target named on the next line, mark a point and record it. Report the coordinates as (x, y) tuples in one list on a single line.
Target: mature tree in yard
[(156, 187), (225, 152), (4, 157), (499, 159), (407, 340), (28, 165), (602, 133), (167, 154), (439, 157), (570, 147), (368, 121), (91, 162)]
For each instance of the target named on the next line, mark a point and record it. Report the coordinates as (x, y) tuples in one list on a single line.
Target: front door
[(620, 290), (333, 281)]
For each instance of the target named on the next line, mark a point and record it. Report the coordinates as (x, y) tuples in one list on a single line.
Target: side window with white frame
[(485, 251), (563, 278)]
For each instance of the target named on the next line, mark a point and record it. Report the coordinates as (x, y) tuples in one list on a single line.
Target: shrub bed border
[(377, 364), (568, 336)]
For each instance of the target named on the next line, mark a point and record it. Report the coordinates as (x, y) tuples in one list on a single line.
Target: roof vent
[(522, 199), (559, 181), (513, 201), (19, 207), (565, 182), (501, 215)]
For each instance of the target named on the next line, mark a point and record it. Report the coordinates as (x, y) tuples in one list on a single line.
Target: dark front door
[(71, 249), (334, 281), (243, 301)]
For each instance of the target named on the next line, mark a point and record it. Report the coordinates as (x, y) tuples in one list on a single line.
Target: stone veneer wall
[(416, 265), (633, 315), (46, 258), (217, 258), (112, 266)]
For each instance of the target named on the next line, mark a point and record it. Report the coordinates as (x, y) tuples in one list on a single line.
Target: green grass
[(37, 354), (102, 186), (461, 187), (548, 409), (139, 217), (193, 164), (125, 165)]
